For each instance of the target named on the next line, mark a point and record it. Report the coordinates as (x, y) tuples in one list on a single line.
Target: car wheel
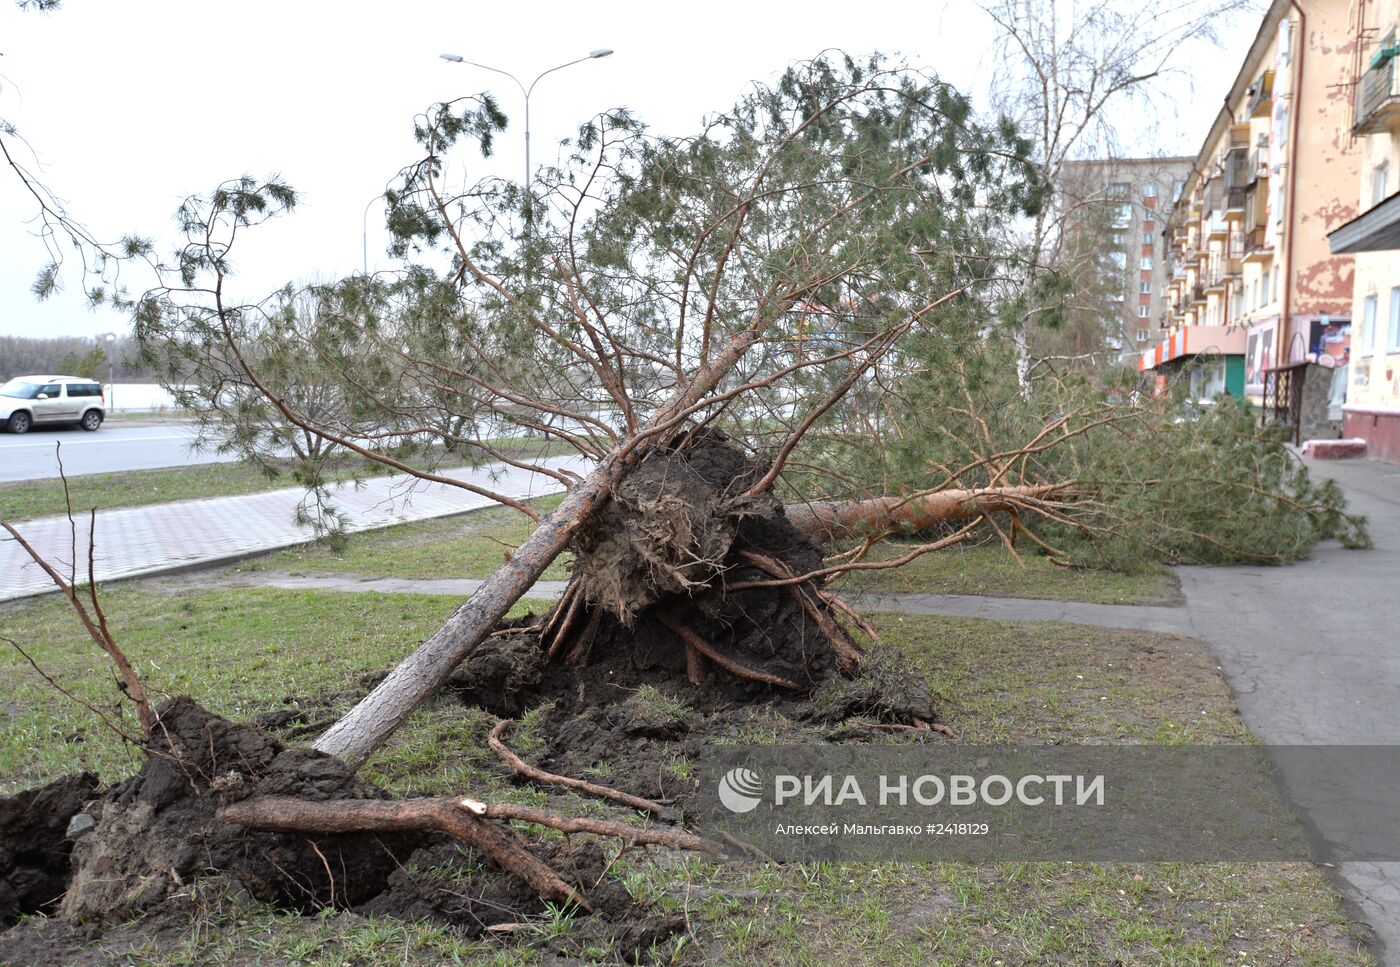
[(91, 420), (19, 423)]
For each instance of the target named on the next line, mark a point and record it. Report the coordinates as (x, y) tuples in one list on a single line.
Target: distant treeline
[(23, 356)]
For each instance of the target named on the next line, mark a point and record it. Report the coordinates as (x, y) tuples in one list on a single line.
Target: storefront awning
[(1193, 341)]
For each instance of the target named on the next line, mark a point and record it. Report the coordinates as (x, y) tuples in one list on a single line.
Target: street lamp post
[(111, 339), (527, 91)]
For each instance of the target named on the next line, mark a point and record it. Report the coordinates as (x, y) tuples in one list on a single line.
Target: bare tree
[(1071, 75)]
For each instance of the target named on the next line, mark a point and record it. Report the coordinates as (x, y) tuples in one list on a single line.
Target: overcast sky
[(130, 106)]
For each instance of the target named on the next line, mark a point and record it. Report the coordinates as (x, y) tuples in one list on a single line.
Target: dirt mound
[(34, 849), (158, 830)]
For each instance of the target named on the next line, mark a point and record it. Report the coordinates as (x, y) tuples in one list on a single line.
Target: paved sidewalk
[(162, 537), (1312, 653)]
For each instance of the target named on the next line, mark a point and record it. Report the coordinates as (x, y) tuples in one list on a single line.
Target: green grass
[(241, 651), (466, 546), (473, 545), (135, 488), (1045, 681), (990, 570)]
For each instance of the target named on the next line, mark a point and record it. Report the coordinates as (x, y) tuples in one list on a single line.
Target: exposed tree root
[(692, 640), (630, 835), (846, 649), (467, 819), (556, 629), (578, 655), (835, 601), (539, 775), (293, 814)]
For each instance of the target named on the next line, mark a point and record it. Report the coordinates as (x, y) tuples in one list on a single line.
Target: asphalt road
[(114, 447)]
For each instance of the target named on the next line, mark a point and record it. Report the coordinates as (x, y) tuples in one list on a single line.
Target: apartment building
[(1372, 408), (1129, 199), (1254, 289)]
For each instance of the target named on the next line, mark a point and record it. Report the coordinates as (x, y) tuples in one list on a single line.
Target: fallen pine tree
[(696, 317)]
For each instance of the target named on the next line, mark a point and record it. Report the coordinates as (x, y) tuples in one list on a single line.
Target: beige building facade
[(1372, 408), (1247, 245)]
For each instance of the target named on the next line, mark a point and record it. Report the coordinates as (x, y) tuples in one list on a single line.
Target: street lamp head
[(601, 52), (454, 58), (110, 336)]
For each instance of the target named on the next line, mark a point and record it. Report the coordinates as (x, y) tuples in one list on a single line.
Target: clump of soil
[(34, 849), (158, 830), (154, 839)]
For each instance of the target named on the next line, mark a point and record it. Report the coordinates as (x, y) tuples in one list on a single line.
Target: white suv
[(34, 400)]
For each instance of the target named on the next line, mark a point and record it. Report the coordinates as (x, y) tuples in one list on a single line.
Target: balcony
[(1218, 227), (1377, 91), (1257, 169), (1234, 257), (1255, 248), (1260, 99), (1198, 293), (1215, 278)]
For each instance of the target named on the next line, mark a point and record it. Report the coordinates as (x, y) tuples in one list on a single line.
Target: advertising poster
[(1259, 355)]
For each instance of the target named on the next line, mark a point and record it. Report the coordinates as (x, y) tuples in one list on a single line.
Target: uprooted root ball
[(660, 575)]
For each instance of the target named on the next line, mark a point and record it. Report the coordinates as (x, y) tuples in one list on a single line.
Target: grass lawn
[(134, 488), (241, 651), (472, 545), (466, 546), (988, 569)]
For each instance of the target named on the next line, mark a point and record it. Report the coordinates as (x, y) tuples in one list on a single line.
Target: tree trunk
[(418, 677), (834, 520)]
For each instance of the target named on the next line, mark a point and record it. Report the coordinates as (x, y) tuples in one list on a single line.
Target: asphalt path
[(114, 447)]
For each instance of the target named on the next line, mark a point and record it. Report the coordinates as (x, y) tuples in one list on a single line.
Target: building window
[(1149, 190), (1116, 239), (1147, 263), (1143, 335), (1273, 288), (1147, 239), (1394, 344), (1380, 175), (1144, 311), (1119, 189), (1177, 188), (1368, 326), (1146, 287)]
